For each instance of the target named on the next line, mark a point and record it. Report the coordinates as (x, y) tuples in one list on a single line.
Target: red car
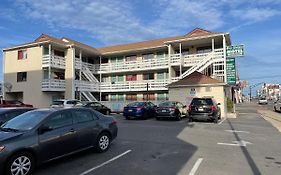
[(13, 103)]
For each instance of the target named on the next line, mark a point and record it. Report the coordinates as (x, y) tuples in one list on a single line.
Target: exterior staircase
[(89, 96), (203, 64)]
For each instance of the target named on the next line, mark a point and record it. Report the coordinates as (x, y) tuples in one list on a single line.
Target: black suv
[(204, 109)]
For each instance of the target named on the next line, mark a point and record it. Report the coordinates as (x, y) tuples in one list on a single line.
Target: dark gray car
[(43, 135)]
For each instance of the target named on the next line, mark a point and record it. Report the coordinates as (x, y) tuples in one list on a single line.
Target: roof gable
[(198, 32), (195, 78)]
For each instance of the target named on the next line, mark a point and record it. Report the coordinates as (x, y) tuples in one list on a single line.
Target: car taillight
[(114, 122), (172, 109), (213, 108)]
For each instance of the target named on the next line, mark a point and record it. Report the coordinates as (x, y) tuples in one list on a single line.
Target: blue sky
[(255, 23)]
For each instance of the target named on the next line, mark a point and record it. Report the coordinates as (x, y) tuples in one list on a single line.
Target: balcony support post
[(80, 72), (100, 81), (50, 62), (180, 59)]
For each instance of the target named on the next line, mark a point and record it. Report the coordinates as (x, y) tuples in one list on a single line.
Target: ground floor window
[(149, 97), (117, 97), (21, 76), (131, 97), (162, 96)]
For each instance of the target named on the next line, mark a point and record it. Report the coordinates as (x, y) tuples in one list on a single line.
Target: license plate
[(130, 110), (164, 111), (200, 109)]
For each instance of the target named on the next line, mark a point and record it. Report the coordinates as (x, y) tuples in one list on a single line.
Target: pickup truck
[(13, 103)]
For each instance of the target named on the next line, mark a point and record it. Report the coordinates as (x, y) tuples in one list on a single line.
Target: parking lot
[(244, 145)]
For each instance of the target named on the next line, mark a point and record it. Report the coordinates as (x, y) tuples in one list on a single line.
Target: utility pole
[(146, 91), (251, 87)]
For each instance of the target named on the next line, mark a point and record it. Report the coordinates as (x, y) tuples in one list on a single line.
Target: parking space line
[(222, 121), (105, 163), (195, 166)]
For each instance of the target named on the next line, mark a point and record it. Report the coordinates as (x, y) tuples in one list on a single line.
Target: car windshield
[(136, 104), (14, 102), (202, 101), (57, 102), (26, 121), (167, 104), (262, 99)]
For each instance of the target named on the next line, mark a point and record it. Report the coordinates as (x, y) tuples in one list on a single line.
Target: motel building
[(52, 68)]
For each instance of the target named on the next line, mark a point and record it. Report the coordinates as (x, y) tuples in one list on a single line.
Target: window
[(81, 116), (149, 76), (148, 96), (131, 97), (131, 58), (59, 53), (162, 96), (117, 97), (131, 77), (22, 54), (60, 120), (160, 54), (204, 49), (13, 114), (21, 76), (45, 51), (147, 56), (161, 75)]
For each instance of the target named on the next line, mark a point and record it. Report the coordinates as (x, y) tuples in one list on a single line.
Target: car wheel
[(179, 116), (275, 109), (103, 142), (190, 119), (20, 164)]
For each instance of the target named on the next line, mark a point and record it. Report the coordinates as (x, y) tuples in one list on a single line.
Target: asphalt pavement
[(244, 145)]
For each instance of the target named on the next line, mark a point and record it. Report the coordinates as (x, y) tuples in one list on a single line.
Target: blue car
[(139, 110)]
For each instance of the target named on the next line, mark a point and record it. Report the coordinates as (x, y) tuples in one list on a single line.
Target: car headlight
[(2, 148)]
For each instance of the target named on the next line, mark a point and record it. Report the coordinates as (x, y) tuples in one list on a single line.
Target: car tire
[(103, 142), (25, 159), (275, 109), (158, 118), (190, 119), (179, 116)]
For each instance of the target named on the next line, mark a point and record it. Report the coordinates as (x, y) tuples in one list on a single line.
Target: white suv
[(62, 103)]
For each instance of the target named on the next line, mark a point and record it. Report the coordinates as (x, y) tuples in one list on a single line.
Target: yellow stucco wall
[(181, 94)]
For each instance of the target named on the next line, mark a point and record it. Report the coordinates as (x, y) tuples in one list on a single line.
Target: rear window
[(167, 104), (202, 101), (57, 102), (136, 104)]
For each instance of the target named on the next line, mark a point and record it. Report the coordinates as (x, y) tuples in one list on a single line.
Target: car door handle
[(70, 132)]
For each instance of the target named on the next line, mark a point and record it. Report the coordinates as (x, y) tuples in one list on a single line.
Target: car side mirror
[(184, 106), (219, 104), (44, 128), (155, 106)]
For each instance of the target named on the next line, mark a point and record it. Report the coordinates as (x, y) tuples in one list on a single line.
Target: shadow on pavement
[(246, 153)]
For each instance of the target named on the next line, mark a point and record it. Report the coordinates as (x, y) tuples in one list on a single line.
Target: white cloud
[(116, 21), (254, 14)]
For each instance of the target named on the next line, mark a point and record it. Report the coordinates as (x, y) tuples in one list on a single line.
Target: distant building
[(270, 91)]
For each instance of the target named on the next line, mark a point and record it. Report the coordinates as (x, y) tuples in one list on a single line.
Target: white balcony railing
[(53, 61), (173, 79), (53, 85), (78, 63), (134, 85), (192, 59), (148, 64), (87, 86)]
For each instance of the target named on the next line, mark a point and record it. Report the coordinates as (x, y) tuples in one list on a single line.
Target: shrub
[(229, 105)]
